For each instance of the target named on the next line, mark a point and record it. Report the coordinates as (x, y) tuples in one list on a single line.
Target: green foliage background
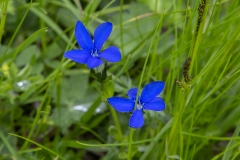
[(50, 108)]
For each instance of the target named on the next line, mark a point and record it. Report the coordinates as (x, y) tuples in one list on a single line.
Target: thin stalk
[(130, 144), (121, 28), (79, 6), (3, 20), (43, 38)]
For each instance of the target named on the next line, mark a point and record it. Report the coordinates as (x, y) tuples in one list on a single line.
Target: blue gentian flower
[(148, 100), (90, 52)]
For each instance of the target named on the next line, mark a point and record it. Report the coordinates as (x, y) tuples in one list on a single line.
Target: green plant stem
[(121, 29), (3, 20), (43, 38), (130, 144)]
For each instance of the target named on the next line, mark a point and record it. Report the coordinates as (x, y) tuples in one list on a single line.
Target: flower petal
[(111, 54), (121, 104), (93, 62), (136, 120), (132, 93), (83, 37), (151, 90), (157, 104), (101, 34), (79, 56)]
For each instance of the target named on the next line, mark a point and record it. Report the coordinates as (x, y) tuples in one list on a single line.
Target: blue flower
[(148, 100), (91, 53)]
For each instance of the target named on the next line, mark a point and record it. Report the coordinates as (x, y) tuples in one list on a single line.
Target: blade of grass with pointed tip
[(39, 145), (8, 145)]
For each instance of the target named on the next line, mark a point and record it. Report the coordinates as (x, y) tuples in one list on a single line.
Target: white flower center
[(139, 106), (94, 53)]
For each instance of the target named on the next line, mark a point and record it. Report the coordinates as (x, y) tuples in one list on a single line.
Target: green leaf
[(112, 130), (87, 116), (53, 50), (38, 11), (26, 55), (8, 143), (74, 89), (175, 157), (68, 117), (107, 90), (53, 63), (123, 155)]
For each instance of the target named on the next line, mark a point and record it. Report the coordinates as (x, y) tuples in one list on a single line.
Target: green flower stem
[(130, 144), (4, 12)]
